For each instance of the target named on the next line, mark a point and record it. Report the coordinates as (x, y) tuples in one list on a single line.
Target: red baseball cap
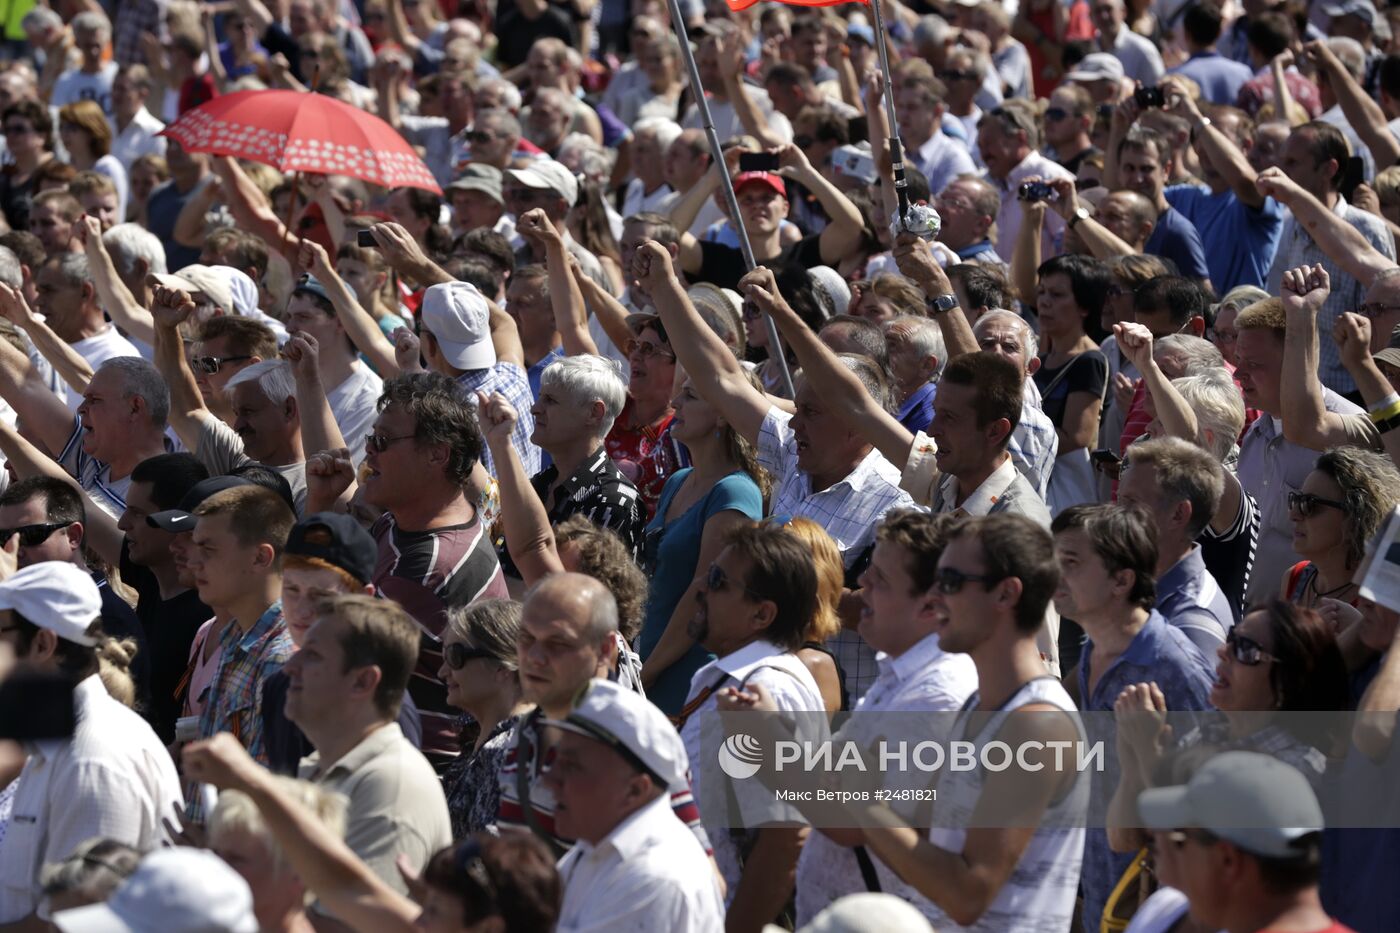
[(768, 179)]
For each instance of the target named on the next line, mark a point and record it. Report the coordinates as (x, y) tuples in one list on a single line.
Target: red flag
[(737, 5)]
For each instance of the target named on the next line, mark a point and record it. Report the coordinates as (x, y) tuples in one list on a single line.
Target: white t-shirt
[(75, 85), (354, 403), (97, 349)]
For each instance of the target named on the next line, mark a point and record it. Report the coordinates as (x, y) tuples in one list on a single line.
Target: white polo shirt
[(113, 779), (649, 873)]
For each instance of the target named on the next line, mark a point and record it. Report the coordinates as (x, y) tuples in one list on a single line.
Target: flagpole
[(717, 154), (901, 184)]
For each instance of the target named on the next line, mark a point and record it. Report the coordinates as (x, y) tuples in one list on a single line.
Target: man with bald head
[(568, 636)]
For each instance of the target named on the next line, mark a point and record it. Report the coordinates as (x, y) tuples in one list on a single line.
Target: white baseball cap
[(176, 890), (243, 291), (549, 175), (55, 595), (201, 278), (457, 316), (633, 724), (1097, 66)]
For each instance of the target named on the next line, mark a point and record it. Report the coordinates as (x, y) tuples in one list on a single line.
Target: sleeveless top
[(1039, 897)]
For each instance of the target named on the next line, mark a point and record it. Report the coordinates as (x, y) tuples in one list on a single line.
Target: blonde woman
[(826, 622)]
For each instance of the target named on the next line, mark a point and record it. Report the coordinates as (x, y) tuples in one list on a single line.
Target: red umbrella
[(294, 131)]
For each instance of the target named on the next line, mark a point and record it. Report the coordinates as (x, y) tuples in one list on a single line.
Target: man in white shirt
[(91, 80), (352, 388), (111, 778), (348, 681), (634, 866), (1141, 60), (752, 613), (736, 107), (898, 619), (934, 153), (134, 126), (648, 190), (1007, 139)]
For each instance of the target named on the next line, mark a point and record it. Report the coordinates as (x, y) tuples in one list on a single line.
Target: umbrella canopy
[(294, 131)]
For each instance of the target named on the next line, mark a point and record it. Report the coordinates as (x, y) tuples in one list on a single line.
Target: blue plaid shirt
[(512, 382)]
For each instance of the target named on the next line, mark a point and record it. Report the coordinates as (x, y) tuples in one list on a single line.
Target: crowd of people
[(400, 550)]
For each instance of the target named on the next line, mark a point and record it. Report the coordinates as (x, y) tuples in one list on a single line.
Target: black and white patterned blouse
[(472, 782)]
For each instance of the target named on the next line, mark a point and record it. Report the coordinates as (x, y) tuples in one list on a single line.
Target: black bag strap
[(867, 870)]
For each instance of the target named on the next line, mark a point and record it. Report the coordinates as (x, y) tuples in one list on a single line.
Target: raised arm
[(1342, 242), (878, 124), (250, 208), (840, 388), (1361, 110), (359, 325), (529, 536), (611, 313), (1225, 157), (404, 254), (67, 362), (116, 299), (100, 530), (42, 412), (318, 428), (1287, 109), (713, 370), (1177, 417), (565, 297), (732, 66), (345, 884), (170, 308), (505, 336), (1124, 116), (1025, 254), (844, 229), (1306, 420), (915, 261), (1103, 243), (189, 225), (1352, 332)]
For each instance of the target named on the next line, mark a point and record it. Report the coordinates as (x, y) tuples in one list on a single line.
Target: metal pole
[(901, 186), (716, 153)]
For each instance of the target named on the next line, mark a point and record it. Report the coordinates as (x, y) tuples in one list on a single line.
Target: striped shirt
[(1229, 555), (529, 750), (246, 660), (93, 475), (513, 383), (428, 573)]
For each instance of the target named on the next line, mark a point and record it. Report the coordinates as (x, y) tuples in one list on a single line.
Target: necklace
[(1312, 585)]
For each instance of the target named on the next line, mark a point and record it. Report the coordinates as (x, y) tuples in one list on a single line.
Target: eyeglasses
[(210, 365), (1246, 650), (1374, 309), (478, 137), (950, 580), (32, 535), (1055, 113), (647, 350), (380, 443), (957, 76), (1305, 503), (716, 581), (457, 655), (18, 129)]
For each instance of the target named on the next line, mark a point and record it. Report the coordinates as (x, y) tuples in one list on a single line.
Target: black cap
[(182, 519), (337, 539)]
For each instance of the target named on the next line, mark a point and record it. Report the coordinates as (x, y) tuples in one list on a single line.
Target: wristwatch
[(941, 304), (1080, 213)]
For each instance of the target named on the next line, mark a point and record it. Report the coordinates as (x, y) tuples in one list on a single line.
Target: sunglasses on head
[(209, 365), (32, 535), (950, 580), (470, 864), (1246, 650), (1306, 504), (457, 655)]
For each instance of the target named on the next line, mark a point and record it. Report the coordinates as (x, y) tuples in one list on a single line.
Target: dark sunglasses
[(957, 76), (1246, 650), (478, 137), (209, 365), (18, 129), (1055, 113), (457, 655), (950, 580), (32, 535), (804, 141), (1305, 503), (380, 442), (717, 582)]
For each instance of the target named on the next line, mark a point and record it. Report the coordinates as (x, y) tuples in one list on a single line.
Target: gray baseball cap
[(477, 176), (1254, 801), (1391, 353)]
